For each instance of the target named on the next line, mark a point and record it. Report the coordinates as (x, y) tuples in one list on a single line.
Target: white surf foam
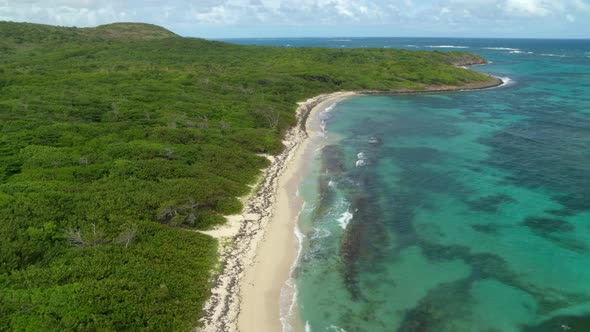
[(345, 219), (501, 48), (320, 233), (323, 116), (307, 327), (330, 108), (506, 81), (288, 296), (554, 55), (361, 160), (323, 127), (446, 46), (336, 328), (341, 205)]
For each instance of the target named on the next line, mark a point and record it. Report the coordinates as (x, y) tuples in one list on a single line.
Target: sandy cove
[(259, 247)]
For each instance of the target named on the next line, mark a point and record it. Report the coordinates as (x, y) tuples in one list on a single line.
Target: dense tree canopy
[(116, 141)]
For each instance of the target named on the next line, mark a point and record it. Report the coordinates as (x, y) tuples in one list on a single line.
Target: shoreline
[(241, 280), (259, 247)]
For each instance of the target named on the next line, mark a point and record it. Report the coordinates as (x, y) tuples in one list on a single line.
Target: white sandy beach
[(260, 245)]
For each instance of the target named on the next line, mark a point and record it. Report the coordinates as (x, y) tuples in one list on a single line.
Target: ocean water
[(473, 211)]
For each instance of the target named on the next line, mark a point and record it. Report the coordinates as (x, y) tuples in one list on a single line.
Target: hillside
[(132, 31), (117, 140), (30, 33)]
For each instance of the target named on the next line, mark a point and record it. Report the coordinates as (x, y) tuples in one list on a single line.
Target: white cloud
[(427, 16), (216, 15), (581, 5), (527, 7), (63, 12)]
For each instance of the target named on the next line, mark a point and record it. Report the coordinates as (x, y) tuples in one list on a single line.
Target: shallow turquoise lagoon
[(473, 212)]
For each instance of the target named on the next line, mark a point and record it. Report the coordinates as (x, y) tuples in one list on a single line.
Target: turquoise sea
[(473, 211)]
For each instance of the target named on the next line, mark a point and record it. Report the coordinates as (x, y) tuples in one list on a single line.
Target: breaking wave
[(362, 160), (288, 296), (501, 48), (446, 46), (506, 81), (345, 219), (554, 55)]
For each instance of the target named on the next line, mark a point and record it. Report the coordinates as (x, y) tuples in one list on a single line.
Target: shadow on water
[(557, 231), (543, 226), (489, 204), (443, 304)]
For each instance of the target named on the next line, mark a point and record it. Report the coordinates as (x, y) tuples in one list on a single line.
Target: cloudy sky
[(307, 18)]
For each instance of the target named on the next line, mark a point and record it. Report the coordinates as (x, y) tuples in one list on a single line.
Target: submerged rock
[(333, 160), (374, 140)]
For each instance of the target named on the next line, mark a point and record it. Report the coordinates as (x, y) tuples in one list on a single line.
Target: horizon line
[(400, 37)]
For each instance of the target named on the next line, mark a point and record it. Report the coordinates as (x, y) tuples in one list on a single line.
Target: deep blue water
[(473, 214), (548, 47)]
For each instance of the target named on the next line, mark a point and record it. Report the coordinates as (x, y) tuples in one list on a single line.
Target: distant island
[(121, 144)]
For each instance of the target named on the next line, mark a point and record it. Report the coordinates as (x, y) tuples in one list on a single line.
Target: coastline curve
[(238, 282)]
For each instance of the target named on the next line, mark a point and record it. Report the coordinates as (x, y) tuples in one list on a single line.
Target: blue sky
[(321, 18)]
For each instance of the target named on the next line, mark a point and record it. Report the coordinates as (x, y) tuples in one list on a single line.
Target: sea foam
[(501, 48), (345, 219), (446, 46), (288, 295), (320, 233), (554, 55), (361, 160), (506, 81)]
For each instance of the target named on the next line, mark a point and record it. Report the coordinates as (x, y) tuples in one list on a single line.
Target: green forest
[(117, 142)]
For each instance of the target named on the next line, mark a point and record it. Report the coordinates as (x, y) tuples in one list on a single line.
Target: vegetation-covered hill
[(26, 33), (116, 140)]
